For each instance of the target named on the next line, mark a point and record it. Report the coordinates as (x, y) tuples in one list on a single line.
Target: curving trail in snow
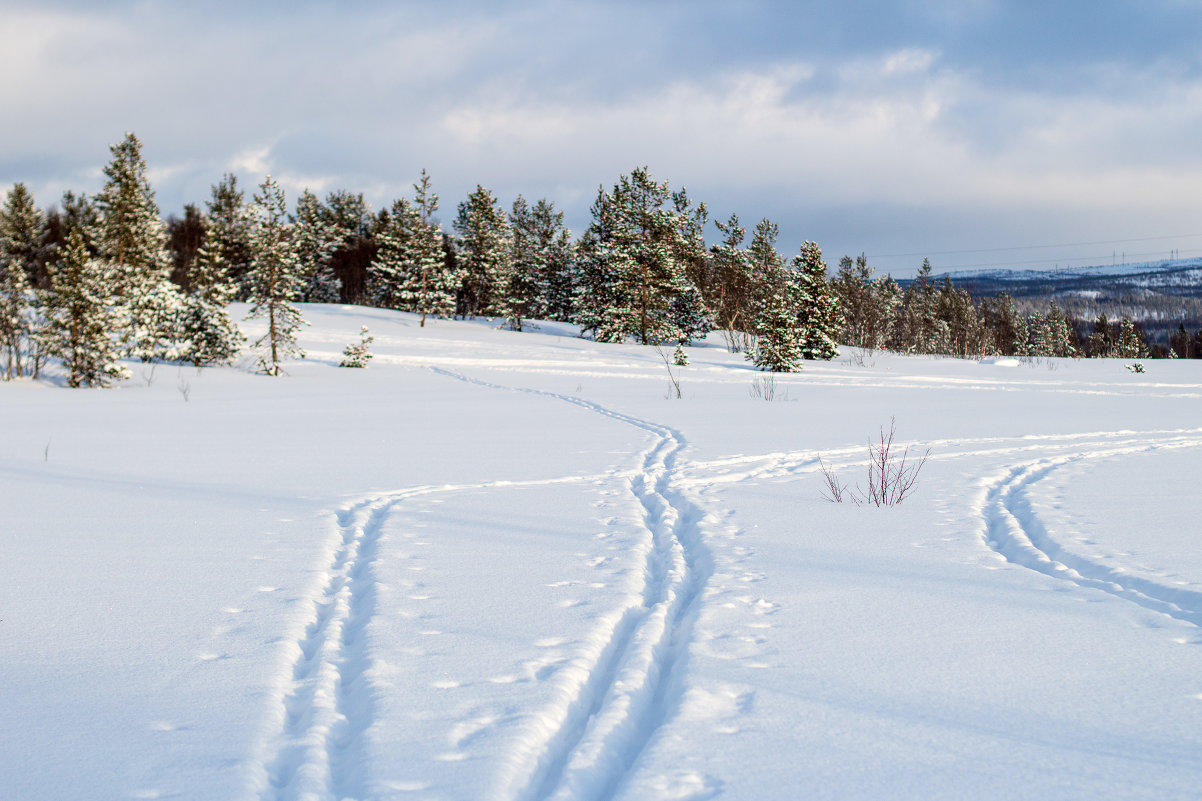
[(624, 685), (1014, 530)]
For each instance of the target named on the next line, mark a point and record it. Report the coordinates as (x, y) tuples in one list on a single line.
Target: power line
[(1090, 261), (1037, 247)]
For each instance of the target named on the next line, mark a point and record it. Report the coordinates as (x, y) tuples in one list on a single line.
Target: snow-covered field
[(508, 566)]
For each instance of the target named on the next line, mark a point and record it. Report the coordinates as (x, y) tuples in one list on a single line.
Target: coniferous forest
[(104, 278)]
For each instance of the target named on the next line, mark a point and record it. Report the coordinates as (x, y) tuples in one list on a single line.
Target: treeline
[(103, 278)]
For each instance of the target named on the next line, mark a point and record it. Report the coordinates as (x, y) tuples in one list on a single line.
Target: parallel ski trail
[(628, 687), (1013, 530), (328, 707)]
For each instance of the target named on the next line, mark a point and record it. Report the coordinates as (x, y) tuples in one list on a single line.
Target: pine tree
[(779, 334), (1007, 328), (133, 240), (348, 225), (485, 255), (358, 354), (315, 247), (22, 248), (15, 323), (1100, 343), (918, 328), (730, 286), (533, 268), (274, 280), (228, 231), (634, 262), (410, 270), (818, 308), (209, 335), (1130, 343), (554, 255), (80, 318)]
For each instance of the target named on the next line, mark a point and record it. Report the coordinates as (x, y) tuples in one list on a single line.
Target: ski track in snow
[(1014, 530), (328, 706), (627, 682)]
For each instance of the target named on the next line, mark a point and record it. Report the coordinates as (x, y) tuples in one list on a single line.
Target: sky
[(975, 132)]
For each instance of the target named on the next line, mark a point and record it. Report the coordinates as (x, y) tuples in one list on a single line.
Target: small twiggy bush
[(892, 476)]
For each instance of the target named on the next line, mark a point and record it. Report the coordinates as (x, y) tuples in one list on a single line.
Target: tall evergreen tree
[(557, 259), (485, 255), (22, 252), (634, 262), (730, 292), (315, 246), (817, 306), (228, 231), (1008, 328), (348, 223), (16, 301), (133, 240), (209, 335), (80, 318), (274, 280), (779, 332), (410, 270), (868, 304)]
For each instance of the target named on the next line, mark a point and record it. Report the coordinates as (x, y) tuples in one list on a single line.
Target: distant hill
[(1158, 295)]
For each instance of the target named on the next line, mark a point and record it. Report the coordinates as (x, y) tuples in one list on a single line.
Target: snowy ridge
[(626, 682), (1014, 531)]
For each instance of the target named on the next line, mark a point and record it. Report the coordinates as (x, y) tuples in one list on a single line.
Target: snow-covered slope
[(513, 566)]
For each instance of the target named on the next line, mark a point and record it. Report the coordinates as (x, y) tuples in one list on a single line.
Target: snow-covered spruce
[(358, 354)]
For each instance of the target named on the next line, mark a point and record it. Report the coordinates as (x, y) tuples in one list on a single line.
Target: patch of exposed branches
[(892, 475)]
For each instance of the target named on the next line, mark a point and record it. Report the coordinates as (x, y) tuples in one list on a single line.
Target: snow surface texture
[(513, 566)]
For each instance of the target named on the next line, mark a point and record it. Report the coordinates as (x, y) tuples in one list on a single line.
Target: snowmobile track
[(632, 686)]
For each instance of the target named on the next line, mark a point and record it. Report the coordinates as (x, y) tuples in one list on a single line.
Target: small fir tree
[(80, 318), (779, 333), (209, 335), (358, 354), (274, 279)]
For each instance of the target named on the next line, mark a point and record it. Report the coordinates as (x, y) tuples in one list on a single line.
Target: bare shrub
[(673, 378), (835, 490), (891, 475), (763, 387)]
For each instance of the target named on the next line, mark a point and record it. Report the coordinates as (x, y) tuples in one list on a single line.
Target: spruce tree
[(779, 334), (133, 240), (315, 246), (80, 318), (227, 232), (22, 248), (358, 354), (485, 243), (274, 280), (1130, 343), (818, 308), (530, 277), (209, 335)]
